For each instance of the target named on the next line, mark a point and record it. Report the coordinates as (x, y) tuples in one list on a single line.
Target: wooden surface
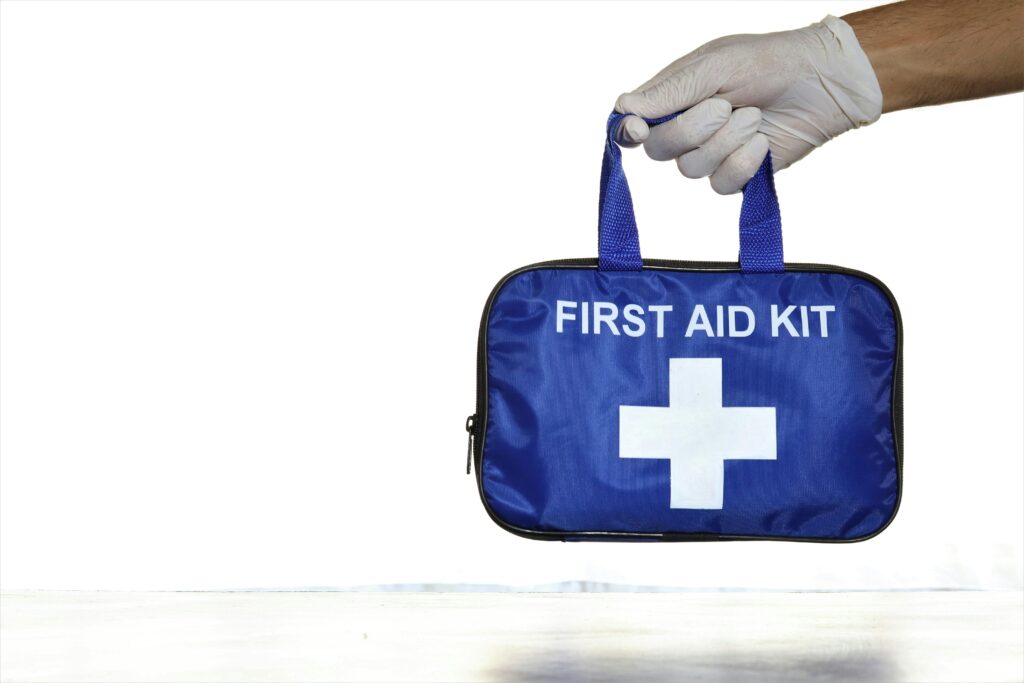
[(792, 637)]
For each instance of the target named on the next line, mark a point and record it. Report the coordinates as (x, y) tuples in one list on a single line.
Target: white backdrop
[(245, 248)]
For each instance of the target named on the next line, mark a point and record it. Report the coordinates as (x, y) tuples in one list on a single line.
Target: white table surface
[(323, 636)]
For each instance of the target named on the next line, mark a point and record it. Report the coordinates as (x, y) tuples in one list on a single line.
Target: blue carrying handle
[(618, 243)]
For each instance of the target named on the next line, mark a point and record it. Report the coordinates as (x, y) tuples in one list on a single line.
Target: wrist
[(847, 73)]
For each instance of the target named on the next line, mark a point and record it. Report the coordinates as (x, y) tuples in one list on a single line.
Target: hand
[(791, 92)]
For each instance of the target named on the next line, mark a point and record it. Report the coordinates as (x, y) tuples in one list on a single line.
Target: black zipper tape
[(476, 424)]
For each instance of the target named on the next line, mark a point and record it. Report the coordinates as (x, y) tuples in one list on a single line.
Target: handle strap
[(618, 243)]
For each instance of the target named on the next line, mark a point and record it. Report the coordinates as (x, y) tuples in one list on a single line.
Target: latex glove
[(791, 91)]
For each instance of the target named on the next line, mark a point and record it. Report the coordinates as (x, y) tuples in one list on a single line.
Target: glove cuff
[(848, 75)]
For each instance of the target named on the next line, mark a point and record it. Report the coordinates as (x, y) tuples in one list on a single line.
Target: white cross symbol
[(696, 433)]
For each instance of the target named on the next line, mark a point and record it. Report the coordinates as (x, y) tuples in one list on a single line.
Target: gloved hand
[(791, 91)]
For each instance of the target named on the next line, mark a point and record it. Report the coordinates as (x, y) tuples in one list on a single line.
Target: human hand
[(791, 92)]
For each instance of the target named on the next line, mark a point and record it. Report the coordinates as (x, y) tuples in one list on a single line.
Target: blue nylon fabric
[(618, 237), (551, 447), (618, 241), (761, 223)]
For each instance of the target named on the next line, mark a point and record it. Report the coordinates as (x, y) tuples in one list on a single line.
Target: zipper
[(469, 451), (474, 422)]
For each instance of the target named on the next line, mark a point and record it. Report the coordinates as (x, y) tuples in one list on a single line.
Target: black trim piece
[(478, 430)]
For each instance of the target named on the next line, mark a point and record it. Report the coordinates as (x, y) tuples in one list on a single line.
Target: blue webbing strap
[(761, 223), (618, 242)]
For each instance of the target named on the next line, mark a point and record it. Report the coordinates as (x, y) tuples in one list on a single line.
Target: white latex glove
[(791, 91)]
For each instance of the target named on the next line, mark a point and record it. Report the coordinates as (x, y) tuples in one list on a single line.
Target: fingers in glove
[(741, 126), (740, 166), (674, 91), (632, 131), (688, 131), (668, 72)]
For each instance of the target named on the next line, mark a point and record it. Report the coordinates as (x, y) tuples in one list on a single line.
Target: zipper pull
[(469, 451)]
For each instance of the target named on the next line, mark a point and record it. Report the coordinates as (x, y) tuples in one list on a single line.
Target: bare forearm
[(928, 52)]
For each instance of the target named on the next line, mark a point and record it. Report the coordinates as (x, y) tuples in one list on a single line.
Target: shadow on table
[(729, 666)]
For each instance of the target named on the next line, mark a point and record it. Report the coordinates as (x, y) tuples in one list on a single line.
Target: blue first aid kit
[(622, 398)]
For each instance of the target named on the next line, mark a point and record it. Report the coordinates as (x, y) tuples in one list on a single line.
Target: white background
[(245, 248)]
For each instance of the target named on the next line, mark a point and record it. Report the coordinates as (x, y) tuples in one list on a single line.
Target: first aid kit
[(629, 399)]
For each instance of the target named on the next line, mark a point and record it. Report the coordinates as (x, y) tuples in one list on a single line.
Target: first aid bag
[(630, 399)]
